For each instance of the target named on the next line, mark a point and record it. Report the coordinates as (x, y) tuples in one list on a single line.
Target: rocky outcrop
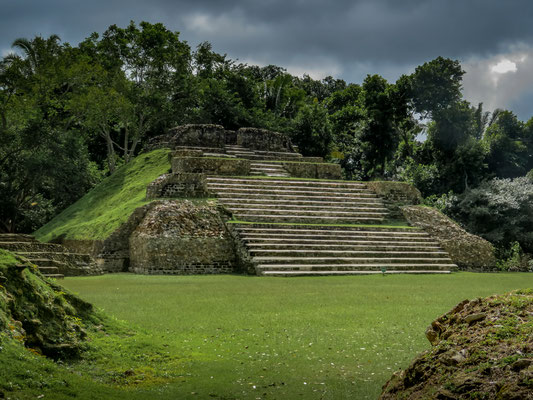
[(38, 313), (466, 250), (482, 349), (181, 237)]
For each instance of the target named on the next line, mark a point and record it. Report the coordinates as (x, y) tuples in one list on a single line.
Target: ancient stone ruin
[(246, 201)]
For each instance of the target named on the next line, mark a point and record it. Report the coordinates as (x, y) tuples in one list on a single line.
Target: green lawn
[(239, 337)]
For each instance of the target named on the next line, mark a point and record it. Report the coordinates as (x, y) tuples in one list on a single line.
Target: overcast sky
[(493, 39)]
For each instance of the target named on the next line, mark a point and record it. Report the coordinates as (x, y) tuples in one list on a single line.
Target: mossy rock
[(482, 349), (39, 313)]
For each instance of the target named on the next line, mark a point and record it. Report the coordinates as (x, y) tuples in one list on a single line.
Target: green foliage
[(514, 259), (500, 210), (435, 85), (311, 131), (104, 208)]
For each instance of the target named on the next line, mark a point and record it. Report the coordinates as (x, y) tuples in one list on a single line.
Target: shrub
[(500, 210)]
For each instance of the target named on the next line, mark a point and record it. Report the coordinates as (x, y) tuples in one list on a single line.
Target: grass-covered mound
[(39, 313), (97, 214), (54, 345), (482, 349)]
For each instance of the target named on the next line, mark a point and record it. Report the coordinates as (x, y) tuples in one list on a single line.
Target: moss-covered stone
[(39, 313), (311, 170), (180, 237), (211, 166), (482, 349), (466, 250)]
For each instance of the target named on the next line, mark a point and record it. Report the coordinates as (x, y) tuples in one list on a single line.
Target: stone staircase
[(306, 227), (298, 250), (53, 260), (298, 201)]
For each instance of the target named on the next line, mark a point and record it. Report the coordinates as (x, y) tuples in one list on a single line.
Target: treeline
[(71, 115)]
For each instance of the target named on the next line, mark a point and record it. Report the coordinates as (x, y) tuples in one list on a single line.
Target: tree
[(507, 143), (311, 130), (158, 65), (436, 85)]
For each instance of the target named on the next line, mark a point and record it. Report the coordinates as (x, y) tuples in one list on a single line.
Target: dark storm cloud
[(345, 38)]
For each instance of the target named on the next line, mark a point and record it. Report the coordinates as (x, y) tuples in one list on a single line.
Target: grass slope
[(97, 214)]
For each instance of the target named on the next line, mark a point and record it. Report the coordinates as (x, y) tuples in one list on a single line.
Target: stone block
[(186, 185), (182, 238), (313, 170), (262, 139), (211, 166), (201, 135)]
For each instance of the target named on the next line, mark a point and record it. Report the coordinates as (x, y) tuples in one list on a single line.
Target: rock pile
[(482, 349)]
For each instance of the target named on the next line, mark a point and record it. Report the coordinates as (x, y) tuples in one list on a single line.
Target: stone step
[(307, 192), (316, 212), (327, 230), (347, 240), (366, 272), (278, 153), (350, 254), (264, 169), (325, 202), (30, 246), (54, 276), (278, 174), (46, 262), (224, 196), (372, 246), (298, 207), (266, 164), (312, 219), (292, 189), (219, 155), (288, 182), (72, 258), (377, 266), (264, 260), (16, 237), (271, 157), (48, 270)]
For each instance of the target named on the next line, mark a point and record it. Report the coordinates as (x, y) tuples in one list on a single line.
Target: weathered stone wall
[(182, 238), (466, 250), (189, 185), (201, 135), (395, 195), (211, 166), (243, 259), (115, 253), (313, 170), (262, 139), (91, 247)]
